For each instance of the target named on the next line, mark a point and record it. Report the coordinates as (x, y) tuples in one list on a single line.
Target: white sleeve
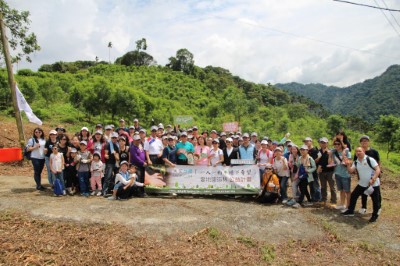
[(118, 177)]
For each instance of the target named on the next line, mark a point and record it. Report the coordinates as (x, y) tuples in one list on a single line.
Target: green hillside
[(367, 100), (212, 95)]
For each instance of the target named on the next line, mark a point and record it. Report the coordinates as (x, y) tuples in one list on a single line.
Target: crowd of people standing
[(111, 162)]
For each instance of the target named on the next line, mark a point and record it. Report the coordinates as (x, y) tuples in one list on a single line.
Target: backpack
[(27, 153), (58, 188)]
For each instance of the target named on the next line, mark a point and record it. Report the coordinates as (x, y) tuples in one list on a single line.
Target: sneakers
[(93, 193), (340, 207), (373, 219), (307, 204), (291, 202), (99, 194), (64, 193), (111, 198), (296, 205), (362, 211), (348, 213), (379, 211), (85, 194), (344, 210), (285, 201)]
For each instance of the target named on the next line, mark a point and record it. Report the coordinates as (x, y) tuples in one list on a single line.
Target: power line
[(315, 40), (388, 20), (358, 4), (391, 14)]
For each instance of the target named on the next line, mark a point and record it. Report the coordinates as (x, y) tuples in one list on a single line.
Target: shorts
[(343, 183)]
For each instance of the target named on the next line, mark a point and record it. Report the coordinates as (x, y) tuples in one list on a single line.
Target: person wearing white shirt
[(153, 147), (36, 147), (368, 172)]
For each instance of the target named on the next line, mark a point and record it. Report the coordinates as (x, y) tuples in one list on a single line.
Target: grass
[(268, 253)]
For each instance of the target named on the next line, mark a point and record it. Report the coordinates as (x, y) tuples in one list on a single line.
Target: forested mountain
[(367, 100), (83, 93)]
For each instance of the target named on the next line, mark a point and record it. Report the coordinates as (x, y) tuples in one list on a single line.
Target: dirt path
[(162, 217)]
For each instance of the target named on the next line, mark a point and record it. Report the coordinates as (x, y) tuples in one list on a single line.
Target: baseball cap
[(229, 139), (136, 137), (323, 139), (223, 134), (307, 139), (114, 135), (246, 135), (214, 131), (85, 128), (184, 134), (121, 120), (131, 127), (108, 127), (304, 147), (53, 132), (254, 134), (124, 162), (73, 150), (99, 125), (142, 130), (215, 140), (154, 128), (99, 132), (83, 142), (160, 126), (277, 149), (135, 120), (264, 141), (364, 137)]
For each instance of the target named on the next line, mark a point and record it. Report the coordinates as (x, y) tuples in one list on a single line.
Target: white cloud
[(262, 41)]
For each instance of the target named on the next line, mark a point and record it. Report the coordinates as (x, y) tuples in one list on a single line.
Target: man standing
[(246, 150), (364, 142), (154, 148), (183, 148), (136, 125), (110, 150), (315, 188), (325, 172), (138, 158), (368, 172)]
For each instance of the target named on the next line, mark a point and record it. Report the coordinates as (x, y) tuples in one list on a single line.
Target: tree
[(20, 40), (137, 57), (182, 62), (388, 128), (335, 123), (109, 52)]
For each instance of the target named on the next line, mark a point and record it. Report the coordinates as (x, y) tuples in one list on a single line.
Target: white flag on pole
[(24, 106)]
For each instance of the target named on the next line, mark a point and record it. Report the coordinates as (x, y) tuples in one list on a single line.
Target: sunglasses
[(227, 142), (268, 168), (336, 144)]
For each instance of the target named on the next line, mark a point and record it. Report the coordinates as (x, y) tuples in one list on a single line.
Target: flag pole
[(11, 82)]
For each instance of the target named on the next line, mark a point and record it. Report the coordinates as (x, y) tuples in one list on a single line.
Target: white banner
[(24, 106), (241, 179)]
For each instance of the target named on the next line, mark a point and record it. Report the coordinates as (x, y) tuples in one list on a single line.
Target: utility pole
[(11, 81)]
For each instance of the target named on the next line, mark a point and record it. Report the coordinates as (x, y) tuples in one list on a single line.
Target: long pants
[(49, 174), (96, 180), (141, 172), (84, 181), (295, 188), (38, 165), (126, 193), (325, 179), (375, 196), (315, 188), (59, 176), (303, 190), (155, 159), (108, 178), (283, 180)]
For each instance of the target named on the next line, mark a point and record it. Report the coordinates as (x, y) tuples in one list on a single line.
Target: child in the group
[(125, 182), (71, 178), (96, 169), (57, 166), (83, 158)]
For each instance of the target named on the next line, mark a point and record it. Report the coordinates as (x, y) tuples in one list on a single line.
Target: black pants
[(126, 193), (141, 171), (303, 190), (182, 162), (375, 196), (155, 159)]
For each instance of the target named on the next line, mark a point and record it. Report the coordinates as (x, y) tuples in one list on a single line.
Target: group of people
[(111, 162)]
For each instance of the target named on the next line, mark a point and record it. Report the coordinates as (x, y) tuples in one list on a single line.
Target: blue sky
[(276, 41)]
